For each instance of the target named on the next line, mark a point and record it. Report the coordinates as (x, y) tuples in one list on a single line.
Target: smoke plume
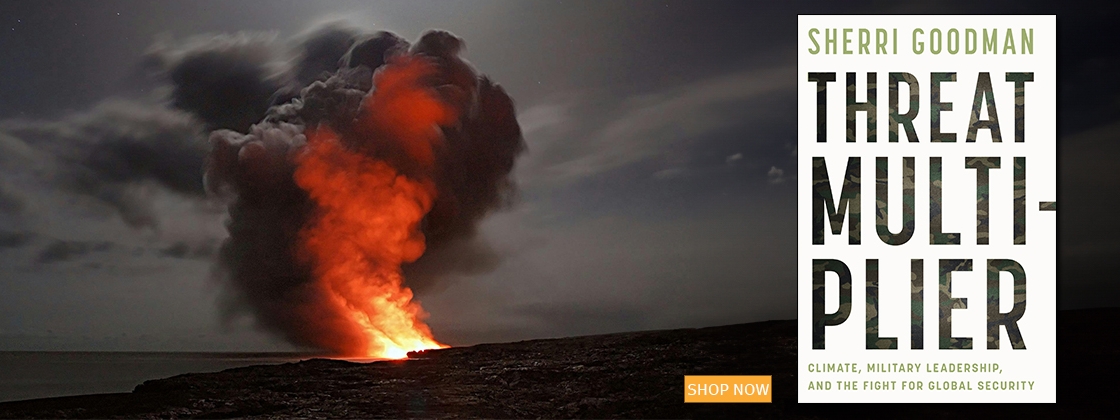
[(118, 153), (365, 178)]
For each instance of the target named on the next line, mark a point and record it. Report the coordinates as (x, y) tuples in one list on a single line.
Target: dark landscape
[(633, 375)]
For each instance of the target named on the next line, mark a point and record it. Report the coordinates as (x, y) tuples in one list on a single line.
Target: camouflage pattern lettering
[(982, 165), (936, 106), (849, 201), (868, 107), (1020, 80), (936, 237), (822, 79), (917, 304), (984, 93), (1020, 201), (881, 202), (948, 303), (821, 319), (874, 341), (1009, 320), (905, 120)]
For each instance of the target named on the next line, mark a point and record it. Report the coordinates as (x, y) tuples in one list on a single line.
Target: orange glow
[(400, 109), (368, 215)]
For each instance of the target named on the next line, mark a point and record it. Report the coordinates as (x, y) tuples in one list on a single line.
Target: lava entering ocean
[(366, 226), (368, 215), (340, 190)]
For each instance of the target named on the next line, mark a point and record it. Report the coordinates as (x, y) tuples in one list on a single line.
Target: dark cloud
[(14, 239), (177, 250), (186, 250), (231, 81), (11, 201), (268, 211), (320, 50), (226, 80), (371, 51), (669, 123), (450, 256), (116, 153), (62, 251)]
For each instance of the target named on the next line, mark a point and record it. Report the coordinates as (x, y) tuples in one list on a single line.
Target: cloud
[(185, 250), (230, 81), (648, 125), (734, 158), (775, 175), (319, 51), (126, 154), (272, 209), (669, 173), (119, 153), (226, 80), (61, 251), (11, 200), (541, 117), (14, 239)]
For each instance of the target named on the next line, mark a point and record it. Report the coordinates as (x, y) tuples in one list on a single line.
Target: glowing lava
[(368, 214)]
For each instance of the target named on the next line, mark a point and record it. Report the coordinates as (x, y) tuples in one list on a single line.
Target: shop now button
[(727, 389)]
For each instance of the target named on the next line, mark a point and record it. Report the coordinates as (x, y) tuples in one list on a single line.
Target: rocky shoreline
[(632, 375)]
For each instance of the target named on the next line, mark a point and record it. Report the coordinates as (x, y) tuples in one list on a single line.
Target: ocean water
[(32, 374)]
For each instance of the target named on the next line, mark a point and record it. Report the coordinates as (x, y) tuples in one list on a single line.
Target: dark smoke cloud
[(317, 56), (61, 251), (253, 170), (225, 80), (186, 250), (11, 201), (116, 153), (14, 239), (476, 175), (371, 51), (231, 81)]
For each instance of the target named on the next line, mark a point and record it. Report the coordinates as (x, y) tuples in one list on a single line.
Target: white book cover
[(926, 208)]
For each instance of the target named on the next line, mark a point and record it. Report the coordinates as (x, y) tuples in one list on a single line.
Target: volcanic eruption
[(346, 181)]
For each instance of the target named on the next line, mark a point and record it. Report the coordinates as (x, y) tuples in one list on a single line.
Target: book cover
[(926, 208)]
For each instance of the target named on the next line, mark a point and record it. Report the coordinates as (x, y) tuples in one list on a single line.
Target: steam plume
[(406, 143)]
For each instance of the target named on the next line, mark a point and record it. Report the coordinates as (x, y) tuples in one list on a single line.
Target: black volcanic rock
[(630, 375)]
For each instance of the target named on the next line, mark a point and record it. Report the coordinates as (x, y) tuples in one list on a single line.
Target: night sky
[(657, 190)]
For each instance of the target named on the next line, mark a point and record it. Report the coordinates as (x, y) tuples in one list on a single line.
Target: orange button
[(726, 389)]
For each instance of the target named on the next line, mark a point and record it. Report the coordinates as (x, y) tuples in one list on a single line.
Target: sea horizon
[(34, 374)]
